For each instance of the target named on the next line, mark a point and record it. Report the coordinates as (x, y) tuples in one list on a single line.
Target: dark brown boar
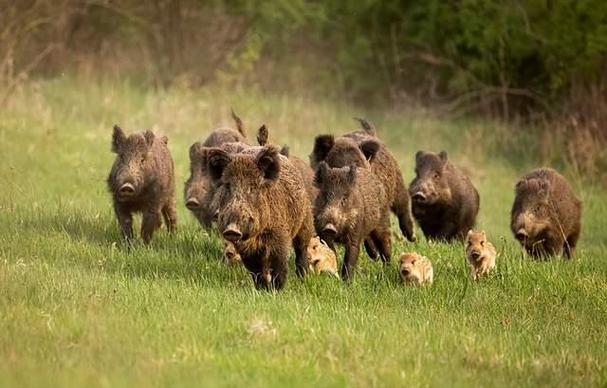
[(198, 189), (444, 201), (142, 180), (351, 206), (546, 214), (263, 210), (306, 172), (364, 149)]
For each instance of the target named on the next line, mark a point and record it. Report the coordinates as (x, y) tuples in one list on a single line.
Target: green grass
[(78, 310)]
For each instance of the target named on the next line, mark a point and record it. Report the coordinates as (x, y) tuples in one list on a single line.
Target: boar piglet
[(546, 214), (263, 210), (142, 180), (351, 207), (445, 203)]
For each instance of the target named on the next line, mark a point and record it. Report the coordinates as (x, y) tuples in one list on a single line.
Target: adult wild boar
[(142, 180), (444, 201), (198, 189), (364, 149), (263, 209), (546, 214), (352, 206), (306, 172)]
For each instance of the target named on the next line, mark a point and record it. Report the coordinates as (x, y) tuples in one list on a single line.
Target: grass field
[(76, 309)]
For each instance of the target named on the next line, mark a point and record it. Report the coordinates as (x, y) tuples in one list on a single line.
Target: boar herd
[(265, 202)]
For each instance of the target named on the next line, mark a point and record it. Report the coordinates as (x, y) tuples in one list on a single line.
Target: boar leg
[(300, 244), (382, 240), (279, 256), (350, 258), (570, 243), (170, 215), (149, 223), (125, 218), (402, 210), (257, 265), (371, 248)]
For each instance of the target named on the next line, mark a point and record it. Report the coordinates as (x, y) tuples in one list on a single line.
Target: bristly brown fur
[(198, 191), (444, 201), (144, 164), (546, 214), (351, 207), (261, 198), (364, 149)]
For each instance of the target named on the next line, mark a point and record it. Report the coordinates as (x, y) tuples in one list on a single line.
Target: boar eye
[(142, 158), (482, 243), (436, 175)]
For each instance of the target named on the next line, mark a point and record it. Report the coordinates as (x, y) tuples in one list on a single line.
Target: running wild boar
[(445, 203), (546, 214), (142, 180), (351, 207), (363, 149), (263, 210)]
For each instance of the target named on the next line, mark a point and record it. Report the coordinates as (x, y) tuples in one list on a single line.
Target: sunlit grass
[(76, 309)]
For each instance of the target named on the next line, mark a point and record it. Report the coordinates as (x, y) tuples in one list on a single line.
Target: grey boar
[(546, 214), (142, 180), (263, 210), (444, 201), (351, 206), (364, 149)]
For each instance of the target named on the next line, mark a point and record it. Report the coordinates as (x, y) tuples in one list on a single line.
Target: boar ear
[(217, 160), (118, 139), (443, 156), (239, 124), (352, 174), (149, 137), (469, 234), (165, 140), (418, 156), (369, 148), (268, 161), (196, 151), (284, 151), (368, 127), (321, 173), (262, 135), (484, 234), (322, 146)]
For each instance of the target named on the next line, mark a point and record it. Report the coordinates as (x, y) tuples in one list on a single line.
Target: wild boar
[(351, 206), (481, 254), (263, 209), (445, 203), (364, 149), (198, 189), (546, 214), (142, 180)]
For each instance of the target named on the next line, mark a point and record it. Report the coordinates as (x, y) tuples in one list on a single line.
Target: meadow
[(77, 309)]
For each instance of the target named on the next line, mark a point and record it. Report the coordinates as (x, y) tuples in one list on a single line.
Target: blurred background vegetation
[(538, 65)]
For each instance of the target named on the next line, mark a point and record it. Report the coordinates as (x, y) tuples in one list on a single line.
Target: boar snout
[(521, 235), (192, 203), (475, 254), (126, 190), (405, 272), (329, 230), (419, 196), (232, 233)]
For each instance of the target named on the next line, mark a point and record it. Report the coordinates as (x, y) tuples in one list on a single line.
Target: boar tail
[(368, 127), (239, 124)]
